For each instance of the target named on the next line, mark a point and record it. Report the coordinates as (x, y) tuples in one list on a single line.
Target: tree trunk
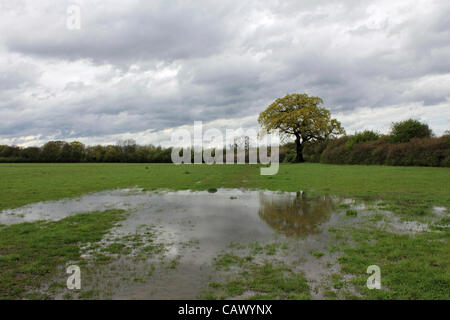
[(299, 150)]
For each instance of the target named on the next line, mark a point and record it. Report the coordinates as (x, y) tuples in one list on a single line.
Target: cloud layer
[(140, 68)]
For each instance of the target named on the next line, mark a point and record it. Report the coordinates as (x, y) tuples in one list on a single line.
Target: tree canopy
[(300, 115), (404, 131)]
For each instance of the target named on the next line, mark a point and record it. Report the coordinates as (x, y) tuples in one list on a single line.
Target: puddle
[(440, 211), (56, 210), (234, 214), (195, 227)]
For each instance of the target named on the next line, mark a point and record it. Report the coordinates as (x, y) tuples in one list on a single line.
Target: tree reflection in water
[(295, 215)]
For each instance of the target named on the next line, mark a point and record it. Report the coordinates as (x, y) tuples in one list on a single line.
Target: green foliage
[(417, 152), (64, 152), (359, 137), (288, 153), (298, 115), (313, 150), (406, 130), (290, 158)]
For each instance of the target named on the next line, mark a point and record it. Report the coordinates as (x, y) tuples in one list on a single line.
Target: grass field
[(412, 186), (414, 266)]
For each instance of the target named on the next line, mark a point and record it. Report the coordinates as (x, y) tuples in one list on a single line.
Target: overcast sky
[(138, 69)]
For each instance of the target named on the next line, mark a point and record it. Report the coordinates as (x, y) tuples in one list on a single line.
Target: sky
[(142, 69)]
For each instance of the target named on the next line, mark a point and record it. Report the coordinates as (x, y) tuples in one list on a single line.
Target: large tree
[(298, 115)]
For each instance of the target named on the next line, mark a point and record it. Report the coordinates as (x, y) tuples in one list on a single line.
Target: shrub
[(335, 152), (313, 150), (380, 149), (446, 162), (419, 152), (290, 158), (361, 154), (404, 131), (359, 137), (416, 152)]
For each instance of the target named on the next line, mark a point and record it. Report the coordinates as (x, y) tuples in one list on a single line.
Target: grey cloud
[(231, 59), (156, 30)]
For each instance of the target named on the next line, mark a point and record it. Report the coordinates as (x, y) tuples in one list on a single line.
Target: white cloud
[(140, 68)]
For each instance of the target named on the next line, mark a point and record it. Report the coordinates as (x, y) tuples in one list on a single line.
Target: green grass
[(317, 254), (28, 183), (226, 260), (268, 280), (31, 252), (412, 267), (406, 189), (351, 213), (410, 191), (248, 271)]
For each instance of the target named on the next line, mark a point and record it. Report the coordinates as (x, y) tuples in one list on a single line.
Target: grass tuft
[(31, 252)]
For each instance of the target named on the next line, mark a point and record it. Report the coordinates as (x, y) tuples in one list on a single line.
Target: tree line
[(70, 152), (316, 138), (410, 143), (127, 151)]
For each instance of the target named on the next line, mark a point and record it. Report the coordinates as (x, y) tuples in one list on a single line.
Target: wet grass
[(407, 190), (30, 253), (317, 254), (412, 266), (28, 183), (248, 279), (253, 271), (263, 281), (351, 213)]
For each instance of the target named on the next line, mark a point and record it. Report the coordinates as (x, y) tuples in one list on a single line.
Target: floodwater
[(194, 228), (246, 213)]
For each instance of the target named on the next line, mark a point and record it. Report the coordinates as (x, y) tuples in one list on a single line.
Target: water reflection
[(227, 215), (295, 215)]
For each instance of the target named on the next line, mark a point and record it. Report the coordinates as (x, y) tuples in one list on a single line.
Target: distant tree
[(158, 155), (3, 149), (66, 153), (112, 154), (51, 151), (128, 150), (404, 131), (300, 116), (242, 142), (143, 153), (9, 151), (31, 154), (78, 151)]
